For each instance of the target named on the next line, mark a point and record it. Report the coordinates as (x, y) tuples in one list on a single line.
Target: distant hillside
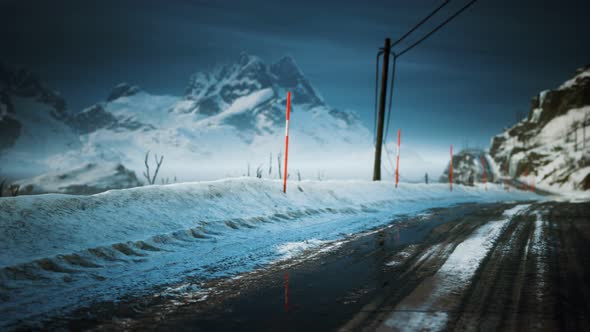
[(229, 122), (552, 144)]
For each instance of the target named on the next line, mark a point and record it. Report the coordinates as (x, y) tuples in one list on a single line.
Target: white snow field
[(61, 252)]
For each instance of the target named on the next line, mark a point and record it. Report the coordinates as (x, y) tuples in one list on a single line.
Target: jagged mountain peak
[(583, 69), (123, 89), (286, 66), (21, 82), (287, 59), (582, 77), (208, 93), (245, 59), (18, 85), (246, 69)]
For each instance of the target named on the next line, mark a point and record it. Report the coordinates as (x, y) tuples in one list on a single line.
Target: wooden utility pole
[(381, 115)]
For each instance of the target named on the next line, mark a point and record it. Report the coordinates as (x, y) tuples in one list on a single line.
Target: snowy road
[(62, 253), (366, 279), (469, 267)]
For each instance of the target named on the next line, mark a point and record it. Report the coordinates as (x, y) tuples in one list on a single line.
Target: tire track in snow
[(428, 305)]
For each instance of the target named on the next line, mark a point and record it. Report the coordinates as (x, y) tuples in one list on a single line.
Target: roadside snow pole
[(484, 175), (286, 174), (397, 158), (451, 169)]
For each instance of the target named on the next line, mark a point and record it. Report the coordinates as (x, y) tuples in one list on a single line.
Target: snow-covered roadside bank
[(35, 227), (82, 249)]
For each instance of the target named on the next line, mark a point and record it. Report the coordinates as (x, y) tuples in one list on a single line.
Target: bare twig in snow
[(13, 189), (146, 174), (279, 163)]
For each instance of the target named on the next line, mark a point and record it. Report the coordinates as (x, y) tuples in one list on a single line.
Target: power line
[(420, 23), (396, 55), (390, 98), (378, 125), (436, 29), (392, 173)]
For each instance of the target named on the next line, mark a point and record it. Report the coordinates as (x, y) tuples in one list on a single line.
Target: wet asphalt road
[(358, 285)]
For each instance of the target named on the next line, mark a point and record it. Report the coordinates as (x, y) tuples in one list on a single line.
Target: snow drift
[(128, 241), (47, 225)]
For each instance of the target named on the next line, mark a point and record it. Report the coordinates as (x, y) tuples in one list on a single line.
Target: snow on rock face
[(25, 84), (20, 83), (89, 179), (216, 90), (288, 76), (582, 76), (470, 166), (9, 126), (123, 90), (551, 147), (38, 135), (96, 117)]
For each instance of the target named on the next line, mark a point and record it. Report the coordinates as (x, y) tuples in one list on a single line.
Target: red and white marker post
[(285, 174), (451, 169), (399, 133), (484, 175)]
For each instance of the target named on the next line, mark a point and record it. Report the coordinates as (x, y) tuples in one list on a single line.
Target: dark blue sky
[(468, 81)]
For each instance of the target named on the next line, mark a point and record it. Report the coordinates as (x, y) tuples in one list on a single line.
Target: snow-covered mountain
[(210, 93), (33, 123), (228, 118), (551, 146), (86, 180), (250, 96)]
